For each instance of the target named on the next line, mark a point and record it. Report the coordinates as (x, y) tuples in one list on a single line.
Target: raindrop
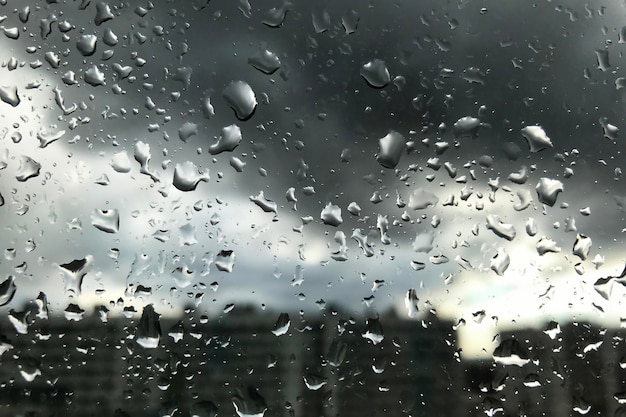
[(548, 190), (7, 290), (29, 168), (282, 324), (331, 215), (375, 73), (249, 404), (107, 220), (228, 141), (265, 61), (86, 45), (187, 130), (582, 246), (225, 261), (94, 77), (503, 230), (149, 329), (410, 302), (500, 262), (314, 381), (73, 274), (467, 127), (187, 176), (266, 205), (121, 162), (240, 97), (8, 94), (373, 331), (536, 138), (391, 147), (510, 352), (420, 199)]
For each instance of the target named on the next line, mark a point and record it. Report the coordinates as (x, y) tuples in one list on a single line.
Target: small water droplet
[(500, 262), (410, 302), (282, 324), (373, 331), (225, 261)]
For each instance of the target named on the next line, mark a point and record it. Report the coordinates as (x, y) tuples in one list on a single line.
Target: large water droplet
[(228, 141), (121, 162), (73, 274), (187, 130), (467, 127), (265, 61), (241, 99), (94, 77), (373, 331), (149, 329), (314, 381), (504, 230), (7, 290), (376, 73), (410, 302), (86, 45), (510, 352), (8, 94), (548, 190), (187, 176), (331, 215), (107, 220), (582, 246), (336, 353), (536, 138), (225, 261), (249, 403), (391, 147), (266, 205), (500, 262), (203, 409), (282, 324), (421, 199), (28, 168)]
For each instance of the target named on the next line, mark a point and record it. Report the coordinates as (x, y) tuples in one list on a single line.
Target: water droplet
[(548, 190), (30, 368), (504, 230), (19, 320), (314, 381), (11, 33), (500, 262), (107, 220), (28, 168), (582, 246), (336, 353), (46, 137), (510, 352), (266, 205), (423, 242), (103, 13), (148, 331), (375, 73), (410, 302), (536, 138), (282, 324), (373, 331), (86, 45), (73, 312), (602, 55), (331, 215), (94, 77), (203, 409), (109, 37), (276, 15), (265, 61), (240, 97), (467, 127), (73, 274), (249, 404), (7, 290), (421, 199), (8, 94), (187, 130), (187, 176), (391, 147), (350, 22), (121, 162), (225, 261), (228, 141)]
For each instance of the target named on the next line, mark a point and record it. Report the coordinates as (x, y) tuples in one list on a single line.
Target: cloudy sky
[(451, 88)]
